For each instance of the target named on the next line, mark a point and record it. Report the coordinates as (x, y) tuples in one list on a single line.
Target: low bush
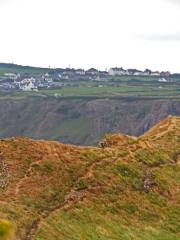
[(6, 230)]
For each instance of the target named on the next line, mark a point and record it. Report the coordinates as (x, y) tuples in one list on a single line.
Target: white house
[(117, 71), (138, 73), (28, 84), (80, 72), (26, 80), (155, 73)]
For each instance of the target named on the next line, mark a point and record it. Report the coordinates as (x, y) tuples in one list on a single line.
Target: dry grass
[(128, 190)]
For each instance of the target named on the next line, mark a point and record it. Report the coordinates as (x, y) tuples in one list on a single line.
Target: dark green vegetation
[(14, 68), (128, 190)]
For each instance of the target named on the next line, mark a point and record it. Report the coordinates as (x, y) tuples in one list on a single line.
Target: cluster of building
[(30, 82), (135, 72), (57, 78), (92, 72)]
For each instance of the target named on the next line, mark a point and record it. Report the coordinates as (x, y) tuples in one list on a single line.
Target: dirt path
[(170, 126), (51, 150), (75, 195), (27, 174), (4, 173)]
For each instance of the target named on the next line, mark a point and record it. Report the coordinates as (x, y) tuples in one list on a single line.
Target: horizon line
[(70, 67)]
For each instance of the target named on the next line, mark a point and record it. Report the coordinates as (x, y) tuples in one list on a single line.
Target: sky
[(91, 33)]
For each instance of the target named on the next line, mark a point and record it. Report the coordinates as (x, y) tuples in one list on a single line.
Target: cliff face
[(81, 121), (129, 189)]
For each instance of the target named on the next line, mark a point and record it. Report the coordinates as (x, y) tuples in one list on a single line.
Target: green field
[(123, 90), (105, 91)]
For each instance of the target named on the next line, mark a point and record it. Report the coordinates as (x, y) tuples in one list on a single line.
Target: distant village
[(58, 78)]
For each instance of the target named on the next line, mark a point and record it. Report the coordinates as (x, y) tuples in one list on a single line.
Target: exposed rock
[(83, 121)]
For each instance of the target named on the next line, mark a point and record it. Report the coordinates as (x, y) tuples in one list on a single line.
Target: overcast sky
[(91, 33)]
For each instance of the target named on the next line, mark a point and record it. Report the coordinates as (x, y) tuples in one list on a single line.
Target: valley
[(81, 121)]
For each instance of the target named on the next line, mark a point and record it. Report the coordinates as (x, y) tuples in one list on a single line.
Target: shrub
[(48, 167), (81, 184), (6, 230)]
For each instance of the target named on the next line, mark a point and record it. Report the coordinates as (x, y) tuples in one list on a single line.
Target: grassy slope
[(79, 129), (14, 68), (129, 190), (120, 90)]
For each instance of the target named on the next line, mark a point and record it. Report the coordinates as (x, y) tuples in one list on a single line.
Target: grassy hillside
[(14, 68), (127, 190)]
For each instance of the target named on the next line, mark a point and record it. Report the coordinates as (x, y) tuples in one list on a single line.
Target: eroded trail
[(74, 196), (4, 173), (164, 129), (27, 174)]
